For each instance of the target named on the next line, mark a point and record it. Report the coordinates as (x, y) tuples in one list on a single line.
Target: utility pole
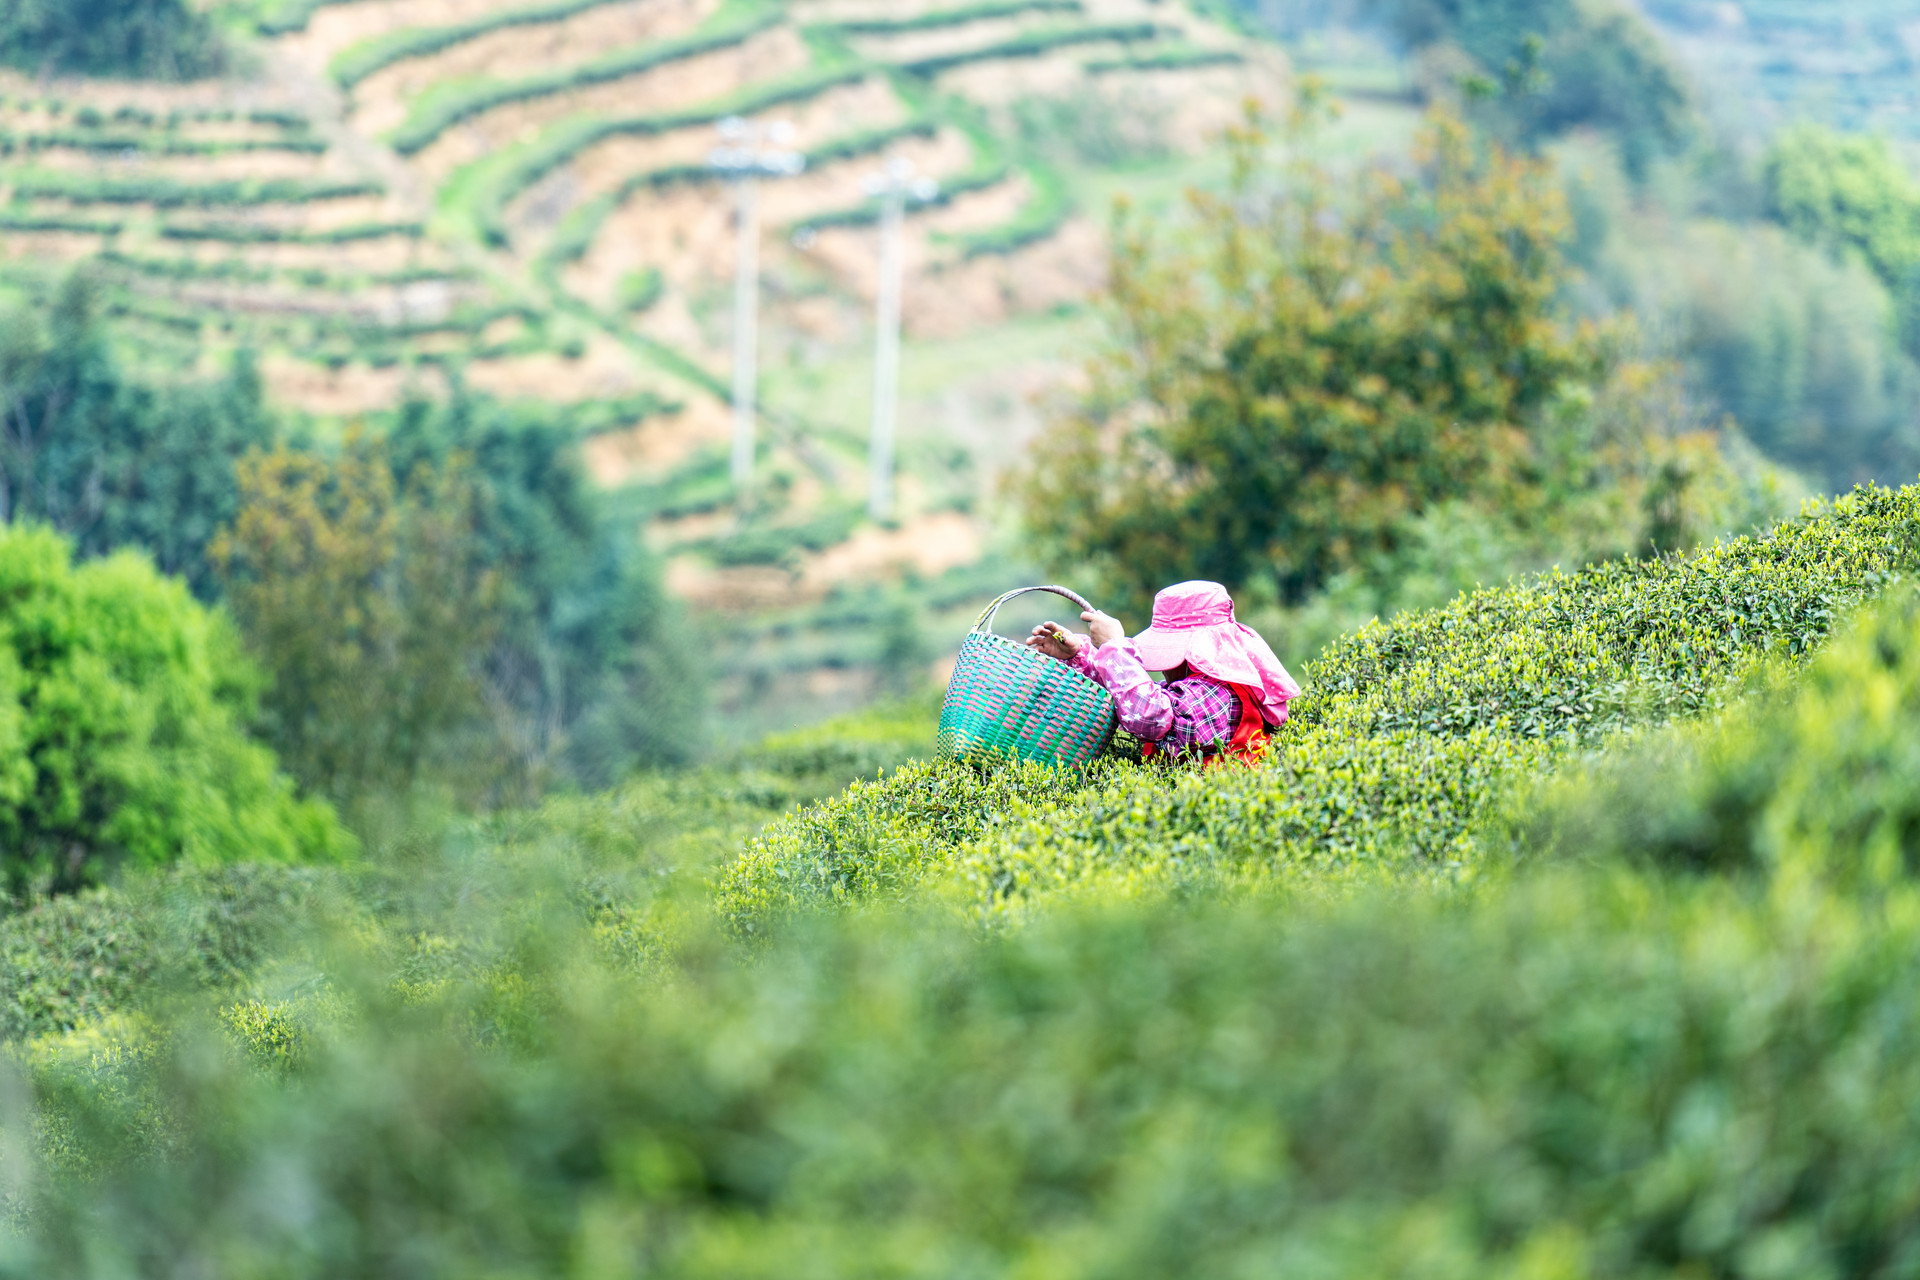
[(894, 186), (749, 152)]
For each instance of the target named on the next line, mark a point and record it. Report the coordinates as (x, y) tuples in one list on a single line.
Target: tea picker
[(1058, 697)]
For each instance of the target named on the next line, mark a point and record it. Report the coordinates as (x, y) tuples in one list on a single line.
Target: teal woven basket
[(1008, 701)]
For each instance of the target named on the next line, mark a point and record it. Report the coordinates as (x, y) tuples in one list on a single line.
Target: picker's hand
[(1053, 640), (1105, 627)]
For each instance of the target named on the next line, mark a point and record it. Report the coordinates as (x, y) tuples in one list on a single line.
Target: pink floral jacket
[(1193, 712)]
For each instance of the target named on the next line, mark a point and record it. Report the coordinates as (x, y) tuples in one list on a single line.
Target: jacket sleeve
[(1145, 709)]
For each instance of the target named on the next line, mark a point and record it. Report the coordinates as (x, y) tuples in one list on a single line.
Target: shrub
[(124, 720), (640, 290), (165, 193), (1409, 736), (1814, 777), (1575, 1077), (229, 233), (82, 958)]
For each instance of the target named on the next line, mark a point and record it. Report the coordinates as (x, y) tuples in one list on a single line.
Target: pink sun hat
[(1193, 623)]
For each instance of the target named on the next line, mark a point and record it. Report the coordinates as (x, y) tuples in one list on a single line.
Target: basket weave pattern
[(1007, 700)]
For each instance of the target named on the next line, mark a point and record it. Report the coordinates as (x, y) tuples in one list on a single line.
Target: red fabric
[(1250, 741)]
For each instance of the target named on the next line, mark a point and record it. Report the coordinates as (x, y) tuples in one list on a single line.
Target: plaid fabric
[(1180, 715)]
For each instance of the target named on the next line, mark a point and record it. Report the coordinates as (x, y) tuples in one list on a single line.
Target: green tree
[(1300, 377), (160, 39), (369, 603), (1850, 194), (1566, 64), (123, 704), (589, 672), (1846, 192), (111, 461)]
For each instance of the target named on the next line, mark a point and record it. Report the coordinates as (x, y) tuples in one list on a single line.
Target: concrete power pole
[(750, 151), (894, 186)]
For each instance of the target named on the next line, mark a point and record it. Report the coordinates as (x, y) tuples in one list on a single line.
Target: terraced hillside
[(397, 193)]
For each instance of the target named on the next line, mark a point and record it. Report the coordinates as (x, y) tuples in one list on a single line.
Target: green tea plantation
[(1572, 934)]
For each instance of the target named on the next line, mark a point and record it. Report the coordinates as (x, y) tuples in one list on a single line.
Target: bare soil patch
[(676, 85), (929, 545), (604, 167), (344, 392), (616, 458), (687, 233), (52, 246), (335, 27), (31, 95), (1066, 269), (236, 166), (380, 101), (606, 370), (940, 42)]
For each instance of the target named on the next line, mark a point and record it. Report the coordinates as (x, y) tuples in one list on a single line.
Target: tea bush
[(1575, 656), (1037, 220), (628, 865), (78, 959), (1406, 740), (230, 233), (877, 840), (1584, 1075), (1815, 776), (166, 193), (162, 144), (1178, 58)]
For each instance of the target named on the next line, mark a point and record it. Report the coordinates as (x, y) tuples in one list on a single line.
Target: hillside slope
[(394, 195)]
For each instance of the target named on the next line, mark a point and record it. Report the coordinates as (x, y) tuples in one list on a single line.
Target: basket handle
[(985, 621)]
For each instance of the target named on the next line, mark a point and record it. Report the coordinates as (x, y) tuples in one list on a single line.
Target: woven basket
[(1009, 701)]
